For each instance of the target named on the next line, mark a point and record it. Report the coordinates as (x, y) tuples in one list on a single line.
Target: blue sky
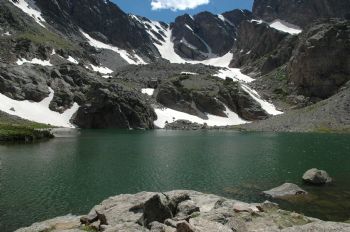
[(162, 11)]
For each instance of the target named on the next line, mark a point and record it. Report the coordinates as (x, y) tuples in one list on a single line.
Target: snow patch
[(72, 60), (38, 111), (169, 115), (268, 107), (147, 91), (233, 73), (131, 59), (188, 73), (285, 27), (100, 69), (34, 61), (29, 7), (225, 20)]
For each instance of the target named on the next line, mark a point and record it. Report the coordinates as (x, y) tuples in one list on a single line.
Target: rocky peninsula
[(185, 211)]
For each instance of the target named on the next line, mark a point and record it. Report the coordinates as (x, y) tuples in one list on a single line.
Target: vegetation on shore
[(14, 129)]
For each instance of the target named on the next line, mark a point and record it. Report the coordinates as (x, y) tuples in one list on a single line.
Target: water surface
[(71, 175)]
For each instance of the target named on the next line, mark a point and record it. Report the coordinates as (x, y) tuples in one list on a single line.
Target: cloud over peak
[(177, 4)]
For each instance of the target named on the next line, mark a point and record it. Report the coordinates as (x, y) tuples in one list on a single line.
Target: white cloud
[(177, 4)]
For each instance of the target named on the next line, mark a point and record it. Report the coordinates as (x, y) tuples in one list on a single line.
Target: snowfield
[(34, 61), (285, 27), (29, 7), (268, 107), (129, 58), (166, 115), (147, 91), (38, 111), (167, 51), (100, 69), (281, 25)]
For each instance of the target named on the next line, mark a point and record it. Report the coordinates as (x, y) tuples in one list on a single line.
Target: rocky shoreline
[(185, 211)]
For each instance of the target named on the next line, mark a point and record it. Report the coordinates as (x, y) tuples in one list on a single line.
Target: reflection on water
[(72, 173)]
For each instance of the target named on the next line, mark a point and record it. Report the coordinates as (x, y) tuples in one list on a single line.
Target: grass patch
[(46, 37), (15, 129)]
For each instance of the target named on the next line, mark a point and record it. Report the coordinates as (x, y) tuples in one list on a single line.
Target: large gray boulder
[(316, 177), (285, 190), (155, 209)]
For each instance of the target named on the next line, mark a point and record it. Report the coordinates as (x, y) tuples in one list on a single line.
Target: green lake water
[(71, 175)]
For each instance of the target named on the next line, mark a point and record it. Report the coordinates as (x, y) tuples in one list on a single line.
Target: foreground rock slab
[(214, 213)]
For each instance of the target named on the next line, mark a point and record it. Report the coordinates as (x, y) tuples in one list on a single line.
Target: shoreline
[(147, 211)]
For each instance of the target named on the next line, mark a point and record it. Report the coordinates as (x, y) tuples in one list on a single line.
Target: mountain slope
[(105, 68), (300, 12)]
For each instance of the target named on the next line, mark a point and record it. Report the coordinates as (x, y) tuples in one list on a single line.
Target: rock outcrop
[(201, 95), (104, 20), (301, 12), (206, 35), (255, 40), (321, 64), (123, 212)]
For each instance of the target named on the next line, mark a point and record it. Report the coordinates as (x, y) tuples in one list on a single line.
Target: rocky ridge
[(59, 36)]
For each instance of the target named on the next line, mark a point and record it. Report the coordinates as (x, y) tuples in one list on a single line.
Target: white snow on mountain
[(267, 106), (281, 25), (38, 111), (148, 91), (34, 61), (72, 60), (167, 51), (130, 58), (285, 27), (29, 7), (225, 20), (100, 69), (166, 115)]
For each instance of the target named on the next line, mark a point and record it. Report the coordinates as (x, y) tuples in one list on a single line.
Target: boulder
[(316, 177), (155, 210), (285, 190), (185, 227), (187, 208), (245, 207)]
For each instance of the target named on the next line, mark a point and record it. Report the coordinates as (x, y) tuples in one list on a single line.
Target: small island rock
[(287, 189), (316, 177)]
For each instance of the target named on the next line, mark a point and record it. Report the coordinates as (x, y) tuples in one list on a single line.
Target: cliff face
[(103, 19), (205, 34), (320, 64), (301, 12)]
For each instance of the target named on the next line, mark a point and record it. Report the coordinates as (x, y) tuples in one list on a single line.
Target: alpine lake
[(75, 171)]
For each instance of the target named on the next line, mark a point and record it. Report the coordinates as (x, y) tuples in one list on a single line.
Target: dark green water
[(70, 175)]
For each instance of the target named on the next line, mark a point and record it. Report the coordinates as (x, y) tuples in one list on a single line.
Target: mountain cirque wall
[(300, 12), (189, 211)]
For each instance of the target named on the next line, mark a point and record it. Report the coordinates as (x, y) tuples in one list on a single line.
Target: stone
[(285, 190), (244, 207), (185, 227), (155, 209), (187, 208), (316, 177)]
